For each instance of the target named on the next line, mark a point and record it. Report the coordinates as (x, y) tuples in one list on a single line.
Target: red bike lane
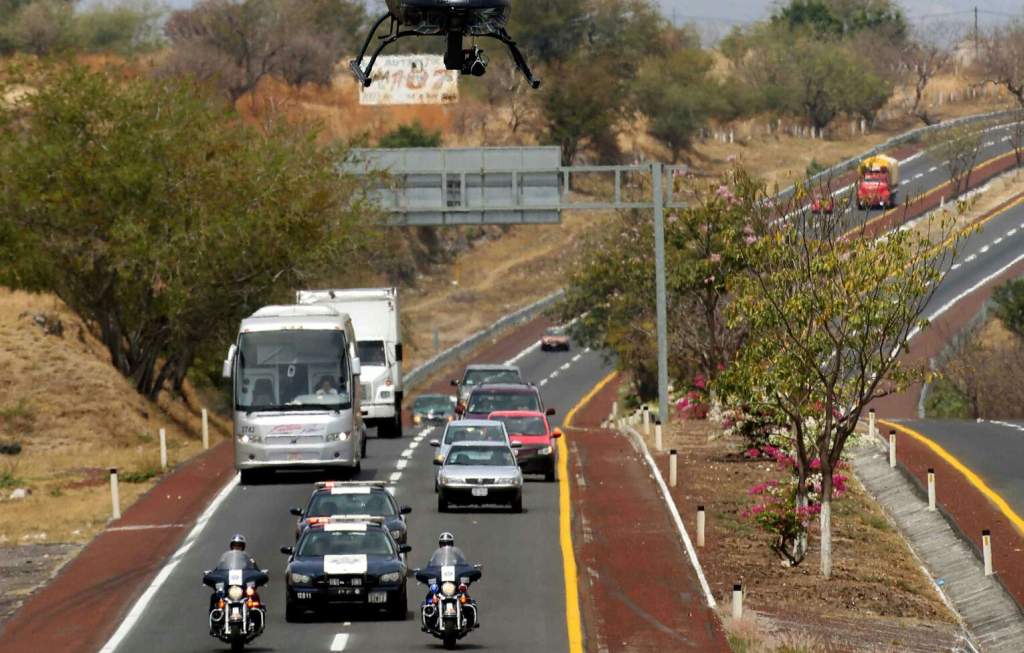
[(638, 592)]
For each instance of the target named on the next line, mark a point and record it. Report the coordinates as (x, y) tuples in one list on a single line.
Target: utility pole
[(660, 291), (976, 50)]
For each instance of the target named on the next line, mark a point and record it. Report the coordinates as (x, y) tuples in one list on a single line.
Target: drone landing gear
[(517, 57), (394, 33)]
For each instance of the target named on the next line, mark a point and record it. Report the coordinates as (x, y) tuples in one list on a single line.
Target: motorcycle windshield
[(234, 560), (447, 555)]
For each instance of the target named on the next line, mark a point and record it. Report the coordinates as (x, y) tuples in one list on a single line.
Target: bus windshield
[(292, 370)]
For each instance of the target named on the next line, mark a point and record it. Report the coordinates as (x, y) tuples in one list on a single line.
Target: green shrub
[(411, 135)]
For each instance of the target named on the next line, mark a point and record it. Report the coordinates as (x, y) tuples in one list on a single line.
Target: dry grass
[(74, 416)]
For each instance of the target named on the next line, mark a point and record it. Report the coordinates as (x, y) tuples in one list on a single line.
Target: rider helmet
[(446, 539), (237, 542)]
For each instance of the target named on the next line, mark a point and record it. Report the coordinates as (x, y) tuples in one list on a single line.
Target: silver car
[(465, 430), (480, 473)]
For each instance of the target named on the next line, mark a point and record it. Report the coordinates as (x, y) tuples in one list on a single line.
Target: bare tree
[(959, 148), (1002, 58), (1017, 137), (925, 58)]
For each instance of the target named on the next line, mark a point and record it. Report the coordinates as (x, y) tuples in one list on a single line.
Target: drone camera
[(474, 62)]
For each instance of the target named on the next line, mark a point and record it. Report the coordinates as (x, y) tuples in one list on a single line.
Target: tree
[(1009, 305), (842, 18), (235, 43), (583, 108), (611, 285), (828, 315), (42, 27), (162, 219), (124, 28), (1002, 58), (925, 59), (677, 96), (549, 32), (959, 147), (411, 135)]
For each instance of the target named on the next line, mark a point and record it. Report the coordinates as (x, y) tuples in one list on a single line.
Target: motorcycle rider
[(445, 552), (229, 560)]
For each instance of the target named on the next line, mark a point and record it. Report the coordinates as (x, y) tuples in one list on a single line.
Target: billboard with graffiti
[(411, 79)]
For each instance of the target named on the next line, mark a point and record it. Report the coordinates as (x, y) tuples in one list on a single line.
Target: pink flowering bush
[(694, 404), (777, 509)]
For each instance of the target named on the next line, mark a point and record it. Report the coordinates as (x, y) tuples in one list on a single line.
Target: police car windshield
[(479, 377), (335, 543), (374, 503), (523, 425), (488, 402), (483, 456), (457, 433)]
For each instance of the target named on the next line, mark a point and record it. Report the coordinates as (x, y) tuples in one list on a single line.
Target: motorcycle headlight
[(337, 437), (385, 394), (301, 579), (392, 577), (448, 588), (397, 534), (235, 593), (416, 419), (545, 451)]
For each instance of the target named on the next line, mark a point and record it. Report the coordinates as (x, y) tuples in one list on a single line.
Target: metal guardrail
[(422, 372), (908, 137)]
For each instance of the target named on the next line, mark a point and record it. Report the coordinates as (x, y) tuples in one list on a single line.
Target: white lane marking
[(1011, 231), (543, 382), (586, 350), (339, 642), (946, 162), (1016, 427), (564, 367), (980, 284), (401, 464), (576, 357), (970, 258), (904, 182), (140, 606), (1004, 139), (919, 175), (413, 445), (983, 249), (933, 169), (990, 144), (997, 240), (514, 359), (553, 374), (395, 477), (955, 266)]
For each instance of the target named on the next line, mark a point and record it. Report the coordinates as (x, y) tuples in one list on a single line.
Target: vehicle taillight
[(463, 588), (220, 604), (249, 591), (463, 599), (254, 603)]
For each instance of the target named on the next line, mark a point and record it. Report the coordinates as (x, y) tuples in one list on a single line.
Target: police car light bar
[(337, 519), (332, 484)]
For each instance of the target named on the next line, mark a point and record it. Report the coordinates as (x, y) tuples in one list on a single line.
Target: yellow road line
[(971, 477), (572, 590), (919, 198)]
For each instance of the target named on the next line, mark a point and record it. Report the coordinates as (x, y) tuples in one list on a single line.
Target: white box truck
[(375, 316)]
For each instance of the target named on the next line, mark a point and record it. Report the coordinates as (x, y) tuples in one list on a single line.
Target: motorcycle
[(237, 615), (449, 614)]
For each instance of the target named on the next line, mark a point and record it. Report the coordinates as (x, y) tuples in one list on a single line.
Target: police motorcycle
[(449, 613), (237, 615)]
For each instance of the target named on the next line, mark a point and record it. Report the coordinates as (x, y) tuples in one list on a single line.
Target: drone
[(452, 19)]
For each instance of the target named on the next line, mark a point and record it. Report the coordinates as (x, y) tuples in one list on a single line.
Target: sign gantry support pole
[(660, 300)]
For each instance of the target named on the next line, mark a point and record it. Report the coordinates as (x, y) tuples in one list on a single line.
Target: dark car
[(345, 562), (554, 339), (433, 410), (487, 399), (353, 498), (481, 374)]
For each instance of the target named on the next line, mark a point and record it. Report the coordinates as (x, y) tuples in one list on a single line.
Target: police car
[(350, 560), (353, 498)]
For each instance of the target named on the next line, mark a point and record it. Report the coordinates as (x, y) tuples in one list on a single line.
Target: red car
[(821, 204), (539, 453)]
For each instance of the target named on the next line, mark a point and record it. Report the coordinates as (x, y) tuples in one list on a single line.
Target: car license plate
[(479, 491), (294, 456), (378, 597)]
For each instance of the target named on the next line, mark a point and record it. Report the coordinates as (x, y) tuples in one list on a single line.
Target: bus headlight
[(337, 437)]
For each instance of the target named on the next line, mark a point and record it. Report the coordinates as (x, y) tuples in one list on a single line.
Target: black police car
[(345, 562), (353, 498)]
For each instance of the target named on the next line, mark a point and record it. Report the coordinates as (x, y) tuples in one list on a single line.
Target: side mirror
[(556, 433), (405, 510), (549, 412), (435, 443), (296, 511), (356, 366), (455, 383), (229, 362), (206, 571), (405, 548), (437, 461), (398, 352), (287, 550), (516, 444), (478, 567), (460, 409)]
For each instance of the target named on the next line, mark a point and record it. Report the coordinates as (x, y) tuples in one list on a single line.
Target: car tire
[(251, 476), (399, 607), (517, 504), (442, 505), (362, 447), (551, 475), (292, 614)]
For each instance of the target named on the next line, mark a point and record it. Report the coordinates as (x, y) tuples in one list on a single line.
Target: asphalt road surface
[(992, 450), (521, 594)]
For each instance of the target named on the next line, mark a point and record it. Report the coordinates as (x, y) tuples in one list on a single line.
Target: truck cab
[(878, 183), (376, 319), (296, 393)]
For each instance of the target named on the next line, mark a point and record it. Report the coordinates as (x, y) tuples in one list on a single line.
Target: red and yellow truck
[(878, 183)]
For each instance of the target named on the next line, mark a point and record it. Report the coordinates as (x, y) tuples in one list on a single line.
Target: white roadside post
[(931, 489), (615, 409), (737, 601), (206, 430), (647, 420), (872, 427), (892, 449), (986, 546), (163, 450), (673, 465), (115, 496), (657, 435), (700, 526)]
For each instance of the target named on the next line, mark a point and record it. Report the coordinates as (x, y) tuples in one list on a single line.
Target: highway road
[(521, 595), (991, 449)]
